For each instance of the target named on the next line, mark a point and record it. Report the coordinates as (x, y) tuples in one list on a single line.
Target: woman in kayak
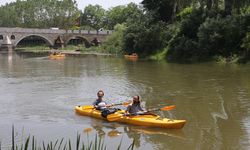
[(135, 107), (99, 104)]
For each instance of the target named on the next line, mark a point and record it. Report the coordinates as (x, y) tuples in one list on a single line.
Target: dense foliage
[(189, 31), (39, 14), (93, 16), (205, 29), (205, 34), (114, 43)]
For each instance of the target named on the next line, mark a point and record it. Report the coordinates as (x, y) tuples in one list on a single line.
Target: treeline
[(39, 14), (62, 14), (187, 30), (175, 30)]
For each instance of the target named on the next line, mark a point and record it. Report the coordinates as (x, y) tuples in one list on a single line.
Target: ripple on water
[(246, 126)]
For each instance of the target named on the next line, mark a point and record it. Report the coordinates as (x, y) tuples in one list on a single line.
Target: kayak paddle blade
[(168, 108), (127, 103)]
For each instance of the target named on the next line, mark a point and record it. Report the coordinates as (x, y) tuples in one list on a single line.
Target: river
[(38, 95)]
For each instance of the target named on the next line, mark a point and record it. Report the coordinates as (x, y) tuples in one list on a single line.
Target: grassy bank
[(160, 56), (31, 144), (34, 49), (69, 48)]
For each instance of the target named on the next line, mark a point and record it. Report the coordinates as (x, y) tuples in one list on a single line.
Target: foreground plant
[(96, 144)]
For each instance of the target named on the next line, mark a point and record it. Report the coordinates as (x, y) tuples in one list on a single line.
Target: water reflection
[(138, 134), (10, 59), (114, 133)]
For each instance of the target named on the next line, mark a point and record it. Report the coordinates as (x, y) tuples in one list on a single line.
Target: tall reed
[(96, 144)]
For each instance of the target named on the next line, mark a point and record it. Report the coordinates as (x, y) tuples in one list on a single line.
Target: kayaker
[(99, 104), (135, 108)]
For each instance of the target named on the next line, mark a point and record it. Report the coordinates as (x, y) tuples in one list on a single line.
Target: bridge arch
[(49, 42), (85, 40)]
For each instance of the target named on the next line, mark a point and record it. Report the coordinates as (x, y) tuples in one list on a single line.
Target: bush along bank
[(188, 32), (205, 35)]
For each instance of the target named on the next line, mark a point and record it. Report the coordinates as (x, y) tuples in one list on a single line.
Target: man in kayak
[(99, 104), (135, 108)]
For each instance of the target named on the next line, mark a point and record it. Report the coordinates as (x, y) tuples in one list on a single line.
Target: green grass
[(34, 47), (234, 59), (45, 49), (161, 55), (31, 144), (72, 47)]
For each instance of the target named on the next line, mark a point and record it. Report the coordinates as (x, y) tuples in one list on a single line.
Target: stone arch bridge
[(10, 37)]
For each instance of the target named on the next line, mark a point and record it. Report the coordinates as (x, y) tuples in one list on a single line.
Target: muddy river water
[(38, 95)]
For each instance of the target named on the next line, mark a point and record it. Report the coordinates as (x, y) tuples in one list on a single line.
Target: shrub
[(114, 43), (204, 34), (184, 13), (222, 36), (184, 47), (246, 45), (145, 39)]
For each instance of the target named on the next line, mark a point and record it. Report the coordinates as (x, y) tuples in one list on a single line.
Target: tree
[(121, 14), (114, 43), (165, 10), (115, 16), (39, 14), (228, 6), (93, 16)]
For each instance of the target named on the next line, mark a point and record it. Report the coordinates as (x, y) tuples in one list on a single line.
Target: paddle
[(123, 103), (114, 117), (166, 108)]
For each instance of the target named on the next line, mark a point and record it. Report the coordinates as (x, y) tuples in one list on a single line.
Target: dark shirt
[(134, 109)]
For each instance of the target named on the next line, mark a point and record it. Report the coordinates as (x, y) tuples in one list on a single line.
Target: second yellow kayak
[(57, 56)]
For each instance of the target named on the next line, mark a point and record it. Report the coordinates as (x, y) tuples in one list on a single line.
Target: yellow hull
[(59, 56), (131, 56), (140, 120)]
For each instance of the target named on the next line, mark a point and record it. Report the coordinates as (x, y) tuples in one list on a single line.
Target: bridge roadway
[(10, 37)]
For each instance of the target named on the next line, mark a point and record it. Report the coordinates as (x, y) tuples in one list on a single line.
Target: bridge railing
[(52, 31), (105, 32)]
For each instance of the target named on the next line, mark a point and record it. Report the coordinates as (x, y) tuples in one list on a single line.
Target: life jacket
[(108, 111)]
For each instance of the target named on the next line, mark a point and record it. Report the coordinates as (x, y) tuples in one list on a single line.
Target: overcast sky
[(83, 3)]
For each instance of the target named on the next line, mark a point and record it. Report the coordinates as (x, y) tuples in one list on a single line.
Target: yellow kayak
[(134, 55), (57, 56), (149, 120)]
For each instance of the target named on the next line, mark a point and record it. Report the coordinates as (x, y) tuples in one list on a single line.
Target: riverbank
[(233, 59), (98, 51), (70, 50)]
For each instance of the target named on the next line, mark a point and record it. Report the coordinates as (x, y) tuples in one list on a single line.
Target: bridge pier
[(6, 47), (59, 42)]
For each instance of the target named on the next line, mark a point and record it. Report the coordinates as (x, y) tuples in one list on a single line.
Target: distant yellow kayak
[(57, 56), (132, 56), (140, 120)]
